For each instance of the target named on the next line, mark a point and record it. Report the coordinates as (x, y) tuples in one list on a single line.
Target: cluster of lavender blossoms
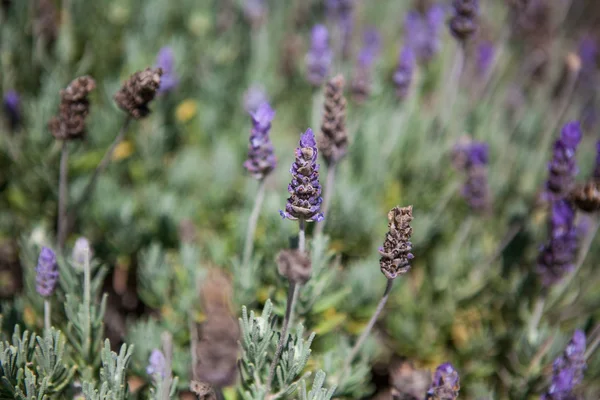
[(11, 103), (403, 75), (305, 190), (46, 273), (422, 32), (361, 82), (319, 57), (567, 370), (472, 158), (261, 158), (485, 57), (341, 11), (558, 253), (563, 166), (165, 60), (445, 384)]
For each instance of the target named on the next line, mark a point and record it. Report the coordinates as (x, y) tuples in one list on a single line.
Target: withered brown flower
[(333, 141), (586, 197), (294, 265), (74, 108), (138, 91), (395, 253)]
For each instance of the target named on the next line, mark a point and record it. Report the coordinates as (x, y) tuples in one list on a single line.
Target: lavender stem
[(329, 184), (366, 331), (63, 194), (252, 221), (87, 300), (291, 302), (47, 323), (536, 317), (89, 189), (594, 342)]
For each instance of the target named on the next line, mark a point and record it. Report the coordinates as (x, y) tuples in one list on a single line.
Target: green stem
[(536, 317), (47, 323), (329, 185), (87, 303), (252, 222), (63, 194)]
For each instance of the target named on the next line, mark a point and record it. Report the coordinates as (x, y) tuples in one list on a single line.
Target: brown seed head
[(294, 265), (586, 197), (74, 108), (395, 253), (139, 90), (203, 391), (409, 383), (333, 141)]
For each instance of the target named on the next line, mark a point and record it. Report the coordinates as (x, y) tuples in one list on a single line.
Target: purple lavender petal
[(46, 273)]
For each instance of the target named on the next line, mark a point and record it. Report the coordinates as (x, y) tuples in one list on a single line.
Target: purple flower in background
[(422, 32), (476, 188), (261, 158), (361, 80), (463, 23), (370, 49), (305, 190), (563, 166), (588, 53), (445, 385), (254, 97), (319, 57), (403, 75), (341, 11), (558, 253), (166, 61), (485, 57), (157, 364), (567, 370), (596, 173), (46, 273), (255, 11), (12, 109)]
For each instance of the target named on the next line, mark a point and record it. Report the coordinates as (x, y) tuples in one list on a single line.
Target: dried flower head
[(261, 158), (82, 252), (445, 385), (395, 253), (46, 273), (319, 57), (46, 21), (333, 141), (138, 91), (463, 23), (586, 197), (563, 166), (73, 110), (11, 104), (294, 265), (165, 61), (203, 391), (157, 364), (403, 75), (304, 189), (409, 383), (567, 371), (557, 255)]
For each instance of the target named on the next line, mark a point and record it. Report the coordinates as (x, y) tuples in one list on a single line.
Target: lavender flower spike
[(319, 57), (596, 173), (445, 385), (464, 22), (305, 190), (403, 75), (12, 109), (157, 364), (46, 273), (422, 32), (557, 256), (166, 61), (568, 369), (261, 159), (82, 252), (563, 167), (485, 57)]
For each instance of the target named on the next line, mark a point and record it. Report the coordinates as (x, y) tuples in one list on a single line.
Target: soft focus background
[(174, 203)]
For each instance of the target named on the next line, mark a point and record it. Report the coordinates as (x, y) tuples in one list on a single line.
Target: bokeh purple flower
[(463, 23), (255, 11), (567, 370), (157, 364), (341, 13), (319, 57), (485, 57), (557, 255), (261, 158), (445, 385), (12, 109), (254, 97), (596, 173), (166, 61), (46, 272), (563, 166), (82, 252), (403, 75), (305, 190), (361, 81), (422, 32), (588, 53)]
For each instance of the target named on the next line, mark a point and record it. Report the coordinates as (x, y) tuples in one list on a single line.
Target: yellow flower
[(122, 151), (29, 316), (186, 110)]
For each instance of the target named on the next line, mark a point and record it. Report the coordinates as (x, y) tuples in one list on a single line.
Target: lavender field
[(299, 199)]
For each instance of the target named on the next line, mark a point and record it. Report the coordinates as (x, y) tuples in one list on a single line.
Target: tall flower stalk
[(261, 161), (303, 205), (395, 261)]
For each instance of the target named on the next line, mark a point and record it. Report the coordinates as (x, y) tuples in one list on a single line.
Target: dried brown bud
[(74, 108), (139, 90), (333, 141), (409, 383), (294, 265), (586, 197), (395, 253), (203, 391)]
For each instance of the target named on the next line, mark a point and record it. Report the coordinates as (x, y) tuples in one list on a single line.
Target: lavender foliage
[(166, 61), (319, 57), (567, 370), (403, 75), (557, 255), (563, 166), (261, 158), (46, 272), (305, 190)]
